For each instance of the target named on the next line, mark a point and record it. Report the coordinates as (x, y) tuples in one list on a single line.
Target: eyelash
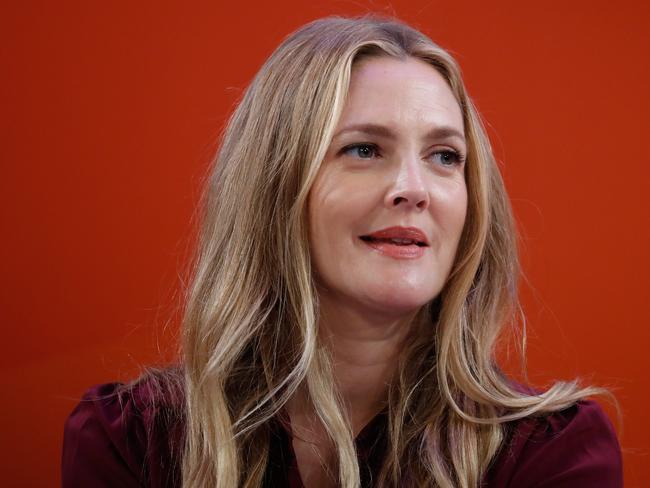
[(457, 157)]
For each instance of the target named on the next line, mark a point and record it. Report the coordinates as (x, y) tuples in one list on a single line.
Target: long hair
[(250, 337)]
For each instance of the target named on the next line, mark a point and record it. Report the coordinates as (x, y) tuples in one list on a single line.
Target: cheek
[(451, 210), (325, 213), (340, 209), (341, 205)]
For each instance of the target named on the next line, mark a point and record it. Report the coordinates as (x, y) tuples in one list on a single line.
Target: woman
[(357, 263)]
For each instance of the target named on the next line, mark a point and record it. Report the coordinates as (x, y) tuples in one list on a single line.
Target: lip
[(399, 232), (408, 251)]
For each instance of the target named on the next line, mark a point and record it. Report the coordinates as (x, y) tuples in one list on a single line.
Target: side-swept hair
[(250, 336)]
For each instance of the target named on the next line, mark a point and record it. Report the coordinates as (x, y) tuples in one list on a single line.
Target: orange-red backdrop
[(110, 113)]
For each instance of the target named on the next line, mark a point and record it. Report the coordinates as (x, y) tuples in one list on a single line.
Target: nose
[(408, 189)]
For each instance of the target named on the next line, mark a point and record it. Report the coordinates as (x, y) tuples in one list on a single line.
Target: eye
[(447, 157), (361, 151)]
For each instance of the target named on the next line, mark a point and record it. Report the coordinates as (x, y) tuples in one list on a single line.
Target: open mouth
[(397, 241)]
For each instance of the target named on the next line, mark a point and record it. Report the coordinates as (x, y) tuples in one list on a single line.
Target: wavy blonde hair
[(250, 337)]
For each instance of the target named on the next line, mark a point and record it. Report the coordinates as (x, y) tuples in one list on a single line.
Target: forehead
[(391, 91)]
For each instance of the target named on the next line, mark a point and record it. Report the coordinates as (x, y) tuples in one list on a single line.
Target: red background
[(111, 112)]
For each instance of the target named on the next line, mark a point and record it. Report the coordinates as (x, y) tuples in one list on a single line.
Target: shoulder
[(124, 435), (571, 448)]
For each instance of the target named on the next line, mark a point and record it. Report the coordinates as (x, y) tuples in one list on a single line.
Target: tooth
[(401, 240)]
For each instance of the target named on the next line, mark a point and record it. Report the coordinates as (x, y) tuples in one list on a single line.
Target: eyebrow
[(383, 131)]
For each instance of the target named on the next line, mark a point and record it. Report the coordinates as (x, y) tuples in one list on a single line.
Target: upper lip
[(399, 232)]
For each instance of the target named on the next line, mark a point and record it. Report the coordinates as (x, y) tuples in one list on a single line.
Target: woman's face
[(388, 205)]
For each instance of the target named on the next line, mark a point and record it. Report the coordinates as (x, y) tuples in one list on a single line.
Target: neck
[(365, 349)]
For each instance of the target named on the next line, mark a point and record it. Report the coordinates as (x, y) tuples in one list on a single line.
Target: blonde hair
[(250, 336)]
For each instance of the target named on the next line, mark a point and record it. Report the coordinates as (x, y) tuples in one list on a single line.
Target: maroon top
[(116, 437)]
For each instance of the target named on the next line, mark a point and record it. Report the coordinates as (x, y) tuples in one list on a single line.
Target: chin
[(401, 302)]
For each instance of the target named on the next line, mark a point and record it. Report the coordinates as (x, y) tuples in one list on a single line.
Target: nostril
[(416, 199)]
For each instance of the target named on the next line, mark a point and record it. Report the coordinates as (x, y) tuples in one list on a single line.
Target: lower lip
[(395, 251)]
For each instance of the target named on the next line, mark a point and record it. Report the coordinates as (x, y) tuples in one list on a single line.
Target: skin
[(410, 174)]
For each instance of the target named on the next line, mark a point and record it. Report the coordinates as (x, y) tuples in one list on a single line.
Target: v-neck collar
[(283, 467)]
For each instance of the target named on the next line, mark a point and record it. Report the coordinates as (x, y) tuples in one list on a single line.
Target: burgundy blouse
[(117, 437)]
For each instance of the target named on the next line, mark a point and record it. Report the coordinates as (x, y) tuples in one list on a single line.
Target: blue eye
[(361, 151), (447, 157), (367, 151)]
